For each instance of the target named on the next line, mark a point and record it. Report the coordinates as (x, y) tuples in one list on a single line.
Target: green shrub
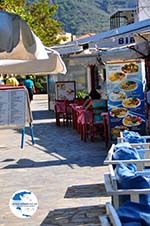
[(81, 94)]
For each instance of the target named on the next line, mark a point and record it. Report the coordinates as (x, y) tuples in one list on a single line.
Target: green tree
[(39, 16)]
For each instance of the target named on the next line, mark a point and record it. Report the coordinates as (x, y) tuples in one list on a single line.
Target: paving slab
[(65, 173)]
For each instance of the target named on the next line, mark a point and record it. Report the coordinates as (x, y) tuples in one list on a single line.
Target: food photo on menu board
[(65, 90), (125, 85)]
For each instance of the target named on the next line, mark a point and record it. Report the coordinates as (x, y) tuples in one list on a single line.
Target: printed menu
[(65, 90), (12, 108), (125, 87)]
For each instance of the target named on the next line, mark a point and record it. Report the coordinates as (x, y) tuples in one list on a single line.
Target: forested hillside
[(83, 16)]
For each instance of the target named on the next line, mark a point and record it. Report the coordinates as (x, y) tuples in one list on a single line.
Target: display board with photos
[(125, 88), (65, 90), (14, 107)]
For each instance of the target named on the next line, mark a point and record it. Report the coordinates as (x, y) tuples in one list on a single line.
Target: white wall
[(143, 9)]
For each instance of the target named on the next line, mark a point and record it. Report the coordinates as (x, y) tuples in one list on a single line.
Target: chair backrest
[(59, 106), (146, 145), (79, 101), (122, 139), (113, 216), (102, 104), (140, 163), (98, 106)]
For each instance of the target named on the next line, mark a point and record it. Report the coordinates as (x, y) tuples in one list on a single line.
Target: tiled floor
[(65, 173)]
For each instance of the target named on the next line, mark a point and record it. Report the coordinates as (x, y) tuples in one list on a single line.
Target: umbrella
[(22, 52)]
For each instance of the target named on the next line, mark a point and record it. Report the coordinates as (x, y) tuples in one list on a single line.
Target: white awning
[(138, 50), (116, 37), (22, 52), (68, 49), (120, 54)]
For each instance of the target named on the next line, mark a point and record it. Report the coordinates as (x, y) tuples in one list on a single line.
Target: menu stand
[(15, 110), (23, 135)]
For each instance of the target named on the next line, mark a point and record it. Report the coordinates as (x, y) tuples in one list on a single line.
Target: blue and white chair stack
[(128, 180)]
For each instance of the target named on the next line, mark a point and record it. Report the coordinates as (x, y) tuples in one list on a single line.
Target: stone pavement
[(65, 173)]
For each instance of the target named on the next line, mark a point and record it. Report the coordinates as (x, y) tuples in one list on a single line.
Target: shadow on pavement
[(86, 191), (87, 215), (62, 143), (43, 114), (8, 160), (28, 163)]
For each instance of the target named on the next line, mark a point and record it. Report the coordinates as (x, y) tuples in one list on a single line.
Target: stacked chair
[(128, 181), (129, 214), (63, 111)]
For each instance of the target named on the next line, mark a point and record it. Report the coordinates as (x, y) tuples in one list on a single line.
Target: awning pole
[(142, 37), (132, 48)]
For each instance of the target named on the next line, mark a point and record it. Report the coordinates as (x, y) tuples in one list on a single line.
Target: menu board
[(4, 112), (65, 90), (125, 88), (13, 111)]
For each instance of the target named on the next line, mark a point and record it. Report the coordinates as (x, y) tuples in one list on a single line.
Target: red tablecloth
[(84, 116), (60, 107)]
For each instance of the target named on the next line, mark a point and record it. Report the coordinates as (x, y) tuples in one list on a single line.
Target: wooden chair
[(111, 217), (99, 125), (84, 121), (59, 112), (79, 101), (68, 112), (146, 145), (140, 163), (111, 181), (122, 139), (88, 127), (63, 111), (112, 189)]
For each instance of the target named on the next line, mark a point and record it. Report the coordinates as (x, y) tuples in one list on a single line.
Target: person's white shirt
[(1, 82)]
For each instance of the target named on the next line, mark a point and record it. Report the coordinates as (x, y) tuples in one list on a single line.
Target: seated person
[(96, 103), (93, 95)]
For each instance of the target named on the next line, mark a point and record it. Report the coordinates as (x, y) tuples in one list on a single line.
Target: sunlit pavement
[(65, 173)]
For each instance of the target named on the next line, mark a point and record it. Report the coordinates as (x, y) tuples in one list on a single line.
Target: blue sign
[(125, 88)]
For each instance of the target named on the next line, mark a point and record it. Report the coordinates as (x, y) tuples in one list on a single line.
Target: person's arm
[(33, 87), (16, 82), (86, 102), (89, 105)]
